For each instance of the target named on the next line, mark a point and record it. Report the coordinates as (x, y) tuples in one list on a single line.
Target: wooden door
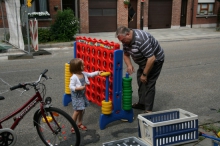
[(183, 13)]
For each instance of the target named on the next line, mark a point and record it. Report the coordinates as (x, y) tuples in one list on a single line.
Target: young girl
[(78, 83)]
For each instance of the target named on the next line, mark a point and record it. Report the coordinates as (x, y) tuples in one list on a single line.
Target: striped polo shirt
[(143, 46)]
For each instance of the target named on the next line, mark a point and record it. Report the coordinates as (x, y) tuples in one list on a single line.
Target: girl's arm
[(73, 85), (92, 74), (80, 88)]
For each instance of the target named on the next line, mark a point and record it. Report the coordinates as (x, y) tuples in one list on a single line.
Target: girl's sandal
[(72, 130), (82, 127)]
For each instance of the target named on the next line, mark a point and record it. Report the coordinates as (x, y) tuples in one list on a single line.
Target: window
[(109, 12), (39, 6), (205, 7), (102, 12)]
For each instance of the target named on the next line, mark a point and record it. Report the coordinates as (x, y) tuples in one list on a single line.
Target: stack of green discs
[(127, 93)]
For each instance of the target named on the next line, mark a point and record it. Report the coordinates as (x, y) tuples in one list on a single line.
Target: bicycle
[(53, 125)]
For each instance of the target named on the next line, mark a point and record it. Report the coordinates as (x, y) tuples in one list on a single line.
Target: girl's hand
[(80, 88), (100, 72)]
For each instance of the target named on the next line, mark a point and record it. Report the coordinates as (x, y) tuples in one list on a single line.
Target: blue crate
[(169, 127)]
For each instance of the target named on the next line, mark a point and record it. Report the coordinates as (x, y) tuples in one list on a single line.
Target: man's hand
[(130, 69), (143, 79)]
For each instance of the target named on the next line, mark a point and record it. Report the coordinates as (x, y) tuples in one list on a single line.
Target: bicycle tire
[(63, 135)]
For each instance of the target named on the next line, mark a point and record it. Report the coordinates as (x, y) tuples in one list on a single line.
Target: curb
[(188, 38), (49, 47), (58, 45)]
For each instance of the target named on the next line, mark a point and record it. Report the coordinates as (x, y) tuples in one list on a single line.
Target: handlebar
[(45, 71), (16, 86), (34, 84)]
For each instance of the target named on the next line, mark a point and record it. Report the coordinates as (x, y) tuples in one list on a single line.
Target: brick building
[(107, 15)]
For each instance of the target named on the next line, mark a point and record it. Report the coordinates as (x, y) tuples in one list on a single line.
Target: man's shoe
[(145, 112), (138, 106)]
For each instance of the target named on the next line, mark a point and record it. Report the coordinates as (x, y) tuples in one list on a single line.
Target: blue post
[(74, 49), (106, 89), (127, 75), (117, 112)]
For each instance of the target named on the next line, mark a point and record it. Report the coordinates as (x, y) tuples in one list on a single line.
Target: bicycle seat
[(2, 98)]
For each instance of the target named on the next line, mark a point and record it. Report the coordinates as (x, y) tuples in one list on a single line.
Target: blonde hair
[(76, 65)]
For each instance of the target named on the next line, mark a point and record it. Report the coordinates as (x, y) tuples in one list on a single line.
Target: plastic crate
[(130, 141), (169, 127)]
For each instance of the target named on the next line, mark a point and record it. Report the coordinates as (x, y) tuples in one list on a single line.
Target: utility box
[(169, 127)]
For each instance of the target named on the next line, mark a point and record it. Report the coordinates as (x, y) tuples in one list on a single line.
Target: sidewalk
[(165, 34)]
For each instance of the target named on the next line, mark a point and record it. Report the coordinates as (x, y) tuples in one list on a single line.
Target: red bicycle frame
[(25, 109)]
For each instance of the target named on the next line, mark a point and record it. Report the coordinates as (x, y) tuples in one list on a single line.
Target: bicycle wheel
[(62, 124)]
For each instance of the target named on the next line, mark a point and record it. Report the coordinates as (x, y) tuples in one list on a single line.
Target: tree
[(65, 27)]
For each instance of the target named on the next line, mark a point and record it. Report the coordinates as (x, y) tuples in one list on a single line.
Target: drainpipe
[(76, 12), (76, 9), (192, 12), (142, 17)]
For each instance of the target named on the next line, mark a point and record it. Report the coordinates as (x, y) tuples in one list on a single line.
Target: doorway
[(183, 13), (132, 14), (68, 4)]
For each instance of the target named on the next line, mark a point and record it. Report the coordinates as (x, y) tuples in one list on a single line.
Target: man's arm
[(127, 59), (149, 65)]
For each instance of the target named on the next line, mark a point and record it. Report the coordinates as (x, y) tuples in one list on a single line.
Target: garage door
[(160, 12), (102, 15)]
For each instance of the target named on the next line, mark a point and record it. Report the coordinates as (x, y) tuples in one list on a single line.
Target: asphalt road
[(190, 80)]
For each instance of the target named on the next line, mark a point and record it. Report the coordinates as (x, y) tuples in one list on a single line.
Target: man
[(145, 50)]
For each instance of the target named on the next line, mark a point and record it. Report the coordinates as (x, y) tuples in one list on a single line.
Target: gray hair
[(122, 30)]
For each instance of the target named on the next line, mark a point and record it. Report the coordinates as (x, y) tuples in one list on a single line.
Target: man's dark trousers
[(146, 91)]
